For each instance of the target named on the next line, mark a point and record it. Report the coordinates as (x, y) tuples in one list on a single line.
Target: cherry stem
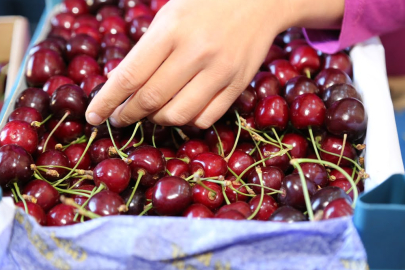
[(146, 209), (120, 153), (17, 190), (181, 134), (257, 185), (313, 142), (232, 172), (199, 182), (346, 158), (38, 124), (224, 194), (260, 174), (185, 160), (220, 146), (82, 139), (174, 139), (237, 137), (140, 174), (132, 136), (15, 195), (279, 141), (343, 148), (334, 166), (80, 211), (246, 127), (74, 192), (307, 73), (78, 182), (93, 192), (304, 189), (153, 136), (240, 192), (67, 113)]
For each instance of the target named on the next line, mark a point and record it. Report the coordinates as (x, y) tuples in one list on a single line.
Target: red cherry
[(269, 205), (271, 176), (106, 203), (271, 112), (68, 131), (47, 196), (51, 144), (316, 173), (231, 214), (110, 65), (299, 144), (125, 4), (35, 98), (68, 98), (86, 20), (244, 134), (291, 34), (81, 67), (60, 32), (95, 5), (226, 135), (331, 76), (283, 70), (118, 40), (282, 162), (339, 60), (292, 193), (112, 25), (54, 82), (337, 208), (137, 11), (15, 165), (208, 164), (298, 86), (192, 148), (114, 173), (80, 199), (75, 7), (241, 207), (337, 92), (99, 150), (168, 152), (82, 44), (88, 30), (178, 168), (326, 195), (232, 195), (206, 197), (139, 26), (345, 185), (266, 84), (306, 111), (63, 20), (74, 152), (239, 161), (338, 175), (55, 158), (25, 114), (293, 45), (245, 103), (35, 211), (198, 211), (90, 82), (305, 59), (61, 215), (334, 145), (156, 5), (287, 214), (245, 147), (275, 52), (20, 133), (108, 11), (56, 44), (137, 203)]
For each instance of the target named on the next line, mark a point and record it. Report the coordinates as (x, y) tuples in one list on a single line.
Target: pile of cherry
[(287, 150)]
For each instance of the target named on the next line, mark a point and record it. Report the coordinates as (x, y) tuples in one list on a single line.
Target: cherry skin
[(99, 150), (79, 199), (87, 30), (110, 65), (198, 211), (271, 112), (139, 26), (292, 193), (74, 152), (190, 149), (168, 152), (239, 161), (47, 196), (35, 211), (275, 52), (337, 92), (15, 165), (225, 134), (92, 81), (55, 158), (108, 11), (339, 60), (20, 133), (114, 173), (230, 214), (334, 145), (51, 144), (60, 32), (61, 215), (293, 45), (331, 76), (287, 214), (337, 208), (68, 131), (160, 134), (271, 176), (299, 144), (244, 134), (54, 82), (25, 114), (245, 103), (63, 20), (345, 185), (335, 174), (75, 7), (82, 66), (86, 20), (298, 86), (156, 5), (42, 65), (112, 25), (232, 195), (82, 44), (283, 70), (98, 4), (208, 165), (269, 205), (245, 147), (69, 98), (137, 203), (305, 59), (118, 40), (54, 43), (126, 4), (106, 203), (102, 132), (206, 197), (315, 172), (178, 168), (35, 98), (137, 11), (171, 196), (282, 162), (307, 110), (327, 194), (111, 53), (241, 207), (266, 84), (151, 161)]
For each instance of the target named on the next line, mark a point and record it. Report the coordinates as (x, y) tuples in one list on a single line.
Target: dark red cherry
[(74, 152), (139, 26), (337, 92), (206, 197), (56, 44), (61, 215), (81, 67), (245, 147), (272, 177), (126, 4), (160, 134), (331, 76), (269, 205), (287, 214), (25, 114), (99, 150), (102, 132), (232, 195), (244, 134), (68, 131), (15, 165), (282, 162), (283, 70), (20, 133), (305, 59), (307, 110), (226, 135), (151, 161), (35, 211), (345, 185), (137, 11), (90, 82), (198, 211), (110, 65), (47, 196), (86, 20), (111, 53), (337, 208), (275, 52), (51, 144), (178, 168), (54, 82), (82, 44), (108, 11), (297, 86), (88, 30), (171, 196), (292, 192), (168, 152), (299, 144), (130, 147), (96, 5), (80, 199), (315, 172), (137, 203), (156, 5), (335, 174), (339, 60), (327, 194), (192, 148), (239, 161), (56, 158), (106, 203), (69, 98), (208, 165), (60, 32), (114, 173), (35, 98), (193, 132), (42, 65), (271, 112), (347, 116), (230, 214), (241, 207), (293, 45), (75, 7), (118, 40), (112, 25), (79, 183), (266, 84), (334, 145), (245, 103), (63, 20)]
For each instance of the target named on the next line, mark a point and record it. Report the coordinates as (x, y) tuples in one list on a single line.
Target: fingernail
[(94, 119), (113, 121)]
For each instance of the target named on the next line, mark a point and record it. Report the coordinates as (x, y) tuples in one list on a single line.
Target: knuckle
[(176, 119), (150, 99), (203, 123), (125, 79), (125, 119)]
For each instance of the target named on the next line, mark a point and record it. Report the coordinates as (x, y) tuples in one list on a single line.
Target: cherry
[(137, 203), (102, 132), (293, 45), (282, 162), (160, 133), (334, 145), (126, 4), (230, 214), (108, 11), (208, 165), (110, 65), (35, 98), (56, 158), (86, 20), (98, 4), (88, 30), (339, 60), (130, 147), (61, 215), (74, 152), (54, 43), (82, 44), (307, 110), (239, 161), (338, 175), (283, 70), (25, 114), (345, 185), (15, 165), (241, 207), (226, 135), (245, 147), (271, 176), (63, 20), (42, 65), (54, 82), (244, 134), (106, 203), (79, 183), (150, 161), (168, 152), (297, 86), (190, 149), (246, 102), (178, 168), (193, 132), (60, 32), (114, 173), (337, 92), (137, 11), (75, 7), (112, 25), (331, 76), (305, 59), (20, 133), (171, 196), (69, 98), (156, 5), (269, 205), (337, 208), (207, 197), (80, 199), (291, 34), (327, 194), (35, 211), (51, 144), (82, 66), (292, 193), (148, 197), (232, 195), (275, 52), (90, 82), (47, 196), (287, 214), (99, 150), (299, 144), (198, 211), (266, 84), (271, 112), (315, 172), (118, 40), (139, 26), (68, 131), (347, 116)]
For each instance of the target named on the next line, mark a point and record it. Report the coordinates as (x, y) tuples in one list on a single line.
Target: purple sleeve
[(362, 19)]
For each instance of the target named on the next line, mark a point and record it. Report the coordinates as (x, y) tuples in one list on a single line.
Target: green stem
[(279, 141), (17, 190), (93, 192), (224, 194), (220, 146), (82, 139), (305, 190), (120, 153), (257, 185), (147, 208), (153, 136), (15, 195), (140, 174), (313, 142), (38, 124), (54, 129), (346, 158), (260, 174), (205, 186), (132, 136), (237, 137)]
